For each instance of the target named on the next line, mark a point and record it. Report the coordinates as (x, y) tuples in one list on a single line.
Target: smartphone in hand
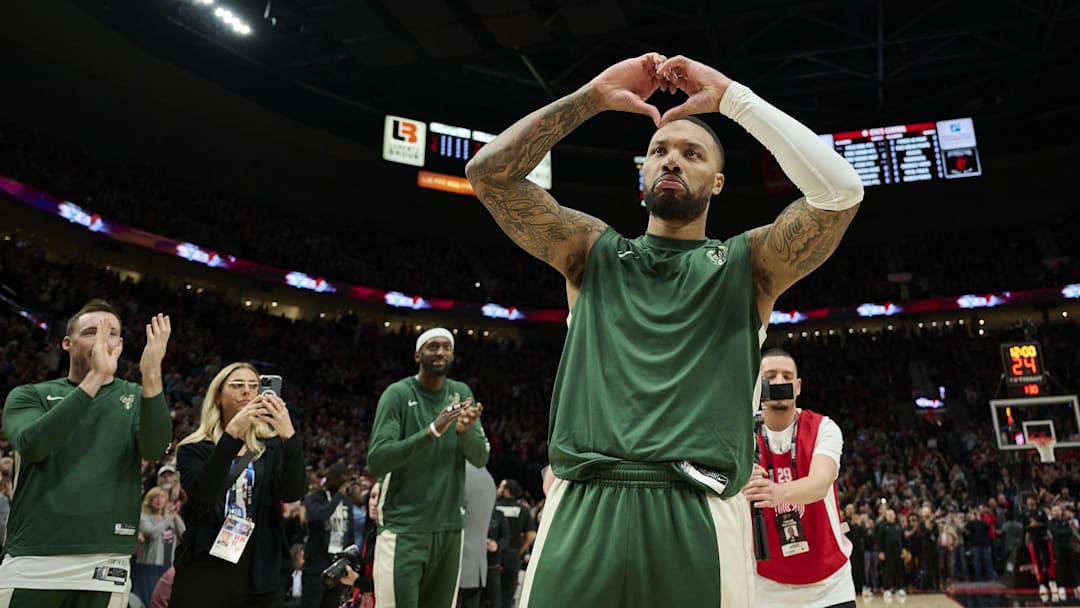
[(270, 383)]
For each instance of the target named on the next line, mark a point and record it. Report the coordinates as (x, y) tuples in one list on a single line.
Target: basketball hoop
[(1045, 445)]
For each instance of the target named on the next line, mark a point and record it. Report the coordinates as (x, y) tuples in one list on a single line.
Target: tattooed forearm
[(803, 237), (524, 211)]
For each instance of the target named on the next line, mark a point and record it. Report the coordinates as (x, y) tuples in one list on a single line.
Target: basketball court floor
[(991, 596)]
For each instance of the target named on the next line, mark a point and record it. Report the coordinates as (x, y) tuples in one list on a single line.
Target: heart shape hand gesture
[(626, 85)]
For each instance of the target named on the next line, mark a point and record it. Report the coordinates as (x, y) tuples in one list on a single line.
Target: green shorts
[(417, 570), (48, 598), (640, 536)]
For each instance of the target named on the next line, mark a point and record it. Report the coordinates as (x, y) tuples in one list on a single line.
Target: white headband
[(435, 332)]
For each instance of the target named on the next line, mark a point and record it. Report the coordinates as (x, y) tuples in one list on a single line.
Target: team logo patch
[(717, 255), (128, 401)]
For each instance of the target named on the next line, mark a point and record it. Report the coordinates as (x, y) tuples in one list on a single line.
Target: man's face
[(780, 413), (436, 356), (681, 171), (335, 478), (81, 341), (167, 480)]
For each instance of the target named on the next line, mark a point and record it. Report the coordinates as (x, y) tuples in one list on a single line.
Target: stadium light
[(229, 18)]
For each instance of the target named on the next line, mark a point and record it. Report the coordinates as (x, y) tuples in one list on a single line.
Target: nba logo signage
[(404, 140)]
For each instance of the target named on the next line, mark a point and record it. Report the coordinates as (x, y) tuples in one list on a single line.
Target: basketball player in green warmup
[(426, 427), (651, 429)]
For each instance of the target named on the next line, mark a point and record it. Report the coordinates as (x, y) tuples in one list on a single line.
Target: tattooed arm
[(527, 213), (800, 240), (807, 232)]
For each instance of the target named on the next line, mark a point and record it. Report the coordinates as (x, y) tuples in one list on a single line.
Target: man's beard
[(432, 370), (80, 363), (675, 207)]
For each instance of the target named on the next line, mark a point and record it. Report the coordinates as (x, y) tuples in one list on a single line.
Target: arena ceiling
[(837, 64)]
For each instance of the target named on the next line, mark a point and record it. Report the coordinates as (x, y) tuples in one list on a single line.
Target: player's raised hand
[(703, 85), (626, 85), (158, 331), (106, 350)]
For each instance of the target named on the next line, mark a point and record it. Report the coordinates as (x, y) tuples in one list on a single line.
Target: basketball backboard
[(1016, 421)]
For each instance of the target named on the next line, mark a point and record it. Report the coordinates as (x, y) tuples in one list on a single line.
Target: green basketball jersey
[(422, 479), (77, 483), (661, 359)]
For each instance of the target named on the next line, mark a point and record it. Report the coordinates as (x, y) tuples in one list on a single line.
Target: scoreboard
[(441, 151), (914, 152), (900, 154), (1023, 367)]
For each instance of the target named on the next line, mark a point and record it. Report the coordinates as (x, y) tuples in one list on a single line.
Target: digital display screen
[(93, 222), (1023, 367), (197, 254), (441, 152), (915, 152)]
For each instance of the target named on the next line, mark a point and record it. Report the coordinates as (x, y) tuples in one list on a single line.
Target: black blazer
[(319, 508), (279, 477)]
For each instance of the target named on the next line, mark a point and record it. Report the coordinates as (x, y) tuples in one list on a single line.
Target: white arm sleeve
[(830, 440), (826, 180)]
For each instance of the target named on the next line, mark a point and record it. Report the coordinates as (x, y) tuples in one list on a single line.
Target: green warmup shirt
[(661, 359), (78, 465), (421, 480)]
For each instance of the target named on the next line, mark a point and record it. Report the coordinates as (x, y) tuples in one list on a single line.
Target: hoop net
[(1045, 445)]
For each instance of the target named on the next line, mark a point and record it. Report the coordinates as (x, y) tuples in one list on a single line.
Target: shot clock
[(1023, 367)]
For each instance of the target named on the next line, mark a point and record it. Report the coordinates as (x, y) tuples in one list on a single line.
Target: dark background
[(293, 114)]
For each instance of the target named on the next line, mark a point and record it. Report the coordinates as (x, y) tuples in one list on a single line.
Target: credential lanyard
[(239, 505), (768, 450)]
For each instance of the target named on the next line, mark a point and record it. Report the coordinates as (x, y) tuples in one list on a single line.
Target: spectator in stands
[(294, 591), (167, 479), (947, 542), (892, 544), (243, 461), (871, 557), (1063, 535), (160, 529), (1037, 540), (163, 590), (977, 532), (928, 552)]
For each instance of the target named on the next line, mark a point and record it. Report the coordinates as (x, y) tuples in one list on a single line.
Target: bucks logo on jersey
[(128, 401), (717, 254)]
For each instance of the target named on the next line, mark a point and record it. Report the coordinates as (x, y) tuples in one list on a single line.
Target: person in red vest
[(793, 484)]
